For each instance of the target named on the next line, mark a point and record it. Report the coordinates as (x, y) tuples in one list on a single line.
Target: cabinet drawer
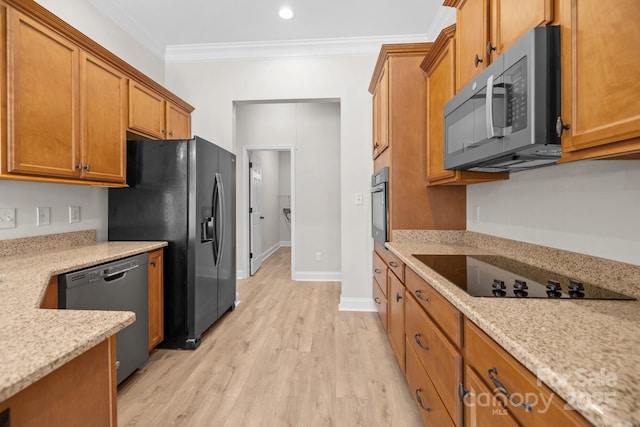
[(380, 272), (431, 408), (480, 407), (381, 302), (442, 311), (490, 360), (440, 358), (395, 265)]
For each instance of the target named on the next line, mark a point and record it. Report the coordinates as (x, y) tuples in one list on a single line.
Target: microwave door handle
[(489, 106)]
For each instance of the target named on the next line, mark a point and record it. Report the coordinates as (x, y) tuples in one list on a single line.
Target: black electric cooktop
[(501, 277)]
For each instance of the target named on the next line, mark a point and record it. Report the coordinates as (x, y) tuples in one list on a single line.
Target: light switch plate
[(44, 216), (74, 214), (7, 218)]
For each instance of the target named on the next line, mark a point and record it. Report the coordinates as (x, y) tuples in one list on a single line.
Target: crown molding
[(352, 46), (444, 18)]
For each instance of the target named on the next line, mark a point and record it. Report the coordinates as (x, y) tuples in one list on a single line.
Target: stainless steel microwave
[(505, 119)]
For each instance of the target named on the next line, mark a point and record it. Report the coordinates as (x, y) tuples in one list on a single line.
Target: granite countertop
[(587, 352), (35, 341)]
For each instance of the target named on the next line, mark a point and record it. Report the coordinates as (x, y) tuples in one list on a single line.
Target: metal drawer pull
[(419, 399), (393, 264), (422, 346), (377, 300), (503, 390), (377, 271), (419, 296)]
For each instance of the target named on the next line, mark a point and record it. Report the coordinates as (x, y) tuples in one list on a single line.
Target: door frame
[(246, 149)]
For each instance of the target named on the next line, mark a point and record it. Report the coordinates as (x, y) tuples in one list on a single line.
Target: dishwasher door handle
[(120, 273)]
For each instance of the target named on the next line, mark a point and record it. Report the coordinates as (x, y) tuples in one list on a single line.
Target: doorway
[(268, 210)]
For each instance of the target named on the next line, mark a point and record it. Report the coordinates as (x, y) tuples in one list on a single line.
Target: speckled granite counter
[(34, 341), (588, 352)]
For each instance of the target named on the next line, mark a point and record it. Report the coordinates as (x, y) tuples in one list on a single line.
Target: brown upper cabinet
[(381, 112), (439, 67), (487, 27), (64, 102), (600, 85), (412, 205), (151, 115)]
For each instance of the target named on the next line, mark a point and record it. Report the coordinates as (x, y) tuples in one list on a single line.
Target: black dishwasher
[(118, 286)]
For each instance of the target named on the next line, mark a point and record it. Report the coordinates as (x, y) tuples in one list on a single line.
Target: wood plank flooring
[(284, 357)]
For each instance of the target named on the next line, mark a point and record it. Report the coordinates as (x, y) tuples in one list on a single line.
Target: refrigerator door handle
[(220, 223)]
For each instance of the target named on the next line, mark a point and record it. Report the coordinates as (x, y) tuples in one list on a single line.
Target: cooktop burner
[(502, 277)]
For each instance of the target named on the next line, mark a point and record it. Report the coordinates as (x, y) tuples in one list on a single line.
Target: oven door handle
[(377, 190)]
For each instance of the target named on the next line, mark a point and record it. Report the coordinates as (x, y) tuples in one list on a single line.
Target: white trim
[(317, 276), (445, 17), (347, 46), (266, 254), (284, 244), (240, 274), (356, 304)]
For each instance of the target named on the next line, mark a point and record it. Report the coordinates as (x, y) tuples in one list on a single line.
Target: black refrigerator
[(183, 192)]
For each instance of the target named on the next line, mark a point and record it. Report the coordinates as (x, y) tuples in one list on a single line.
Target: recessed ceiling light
[(285, 13)]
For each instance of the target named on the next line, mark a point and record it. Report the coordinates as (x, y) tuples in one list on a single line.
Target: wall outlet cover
[(7, 218), (44, 216), (74, 214)]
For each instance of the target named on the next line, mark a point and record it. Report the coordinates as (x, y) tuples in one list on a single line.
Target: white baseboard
[(240, 275), (266, 254), (285, 243), (356, 304), (317, 276)]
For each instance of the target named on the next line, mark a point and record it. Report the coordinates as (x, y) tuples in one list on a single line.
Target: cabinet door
[(178, 122), (511, 19), (43, 102), (381, 113), (381, 303), (395, 317), (146, 111), (472, 34), (600, 84), (440, 89), (156, 298), (103, 95)]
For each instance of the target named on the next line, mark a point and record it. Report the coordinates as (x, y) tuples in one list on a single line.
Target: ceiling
[(175, 24)]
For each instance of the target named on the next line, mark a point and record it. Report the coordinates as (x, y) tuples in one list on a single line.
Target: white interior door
[(255, 209)]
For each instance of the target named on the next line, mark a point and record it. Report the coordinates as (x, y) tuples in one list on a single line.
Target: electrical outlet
[(318, 256), (475, 214), (7, 217), (74, 214), (358, 199), (44, 216)]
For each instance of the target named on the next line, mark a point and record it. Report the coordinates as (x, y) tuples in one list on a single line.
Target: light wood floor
[(284, 357)]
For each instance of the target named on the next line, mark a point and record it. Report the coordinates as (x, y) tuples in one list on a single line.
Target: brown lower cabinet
[(156, 298), (456, 372), (79, 393)]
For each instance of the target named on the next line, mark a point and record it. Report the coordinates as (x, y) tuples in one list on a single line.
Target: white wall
[(213, 87), (590, 207), (313, 129), (27, 196)]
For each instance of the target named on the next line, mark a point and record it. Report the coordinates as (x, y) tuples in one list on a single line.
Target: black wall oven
[(380, 206)]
